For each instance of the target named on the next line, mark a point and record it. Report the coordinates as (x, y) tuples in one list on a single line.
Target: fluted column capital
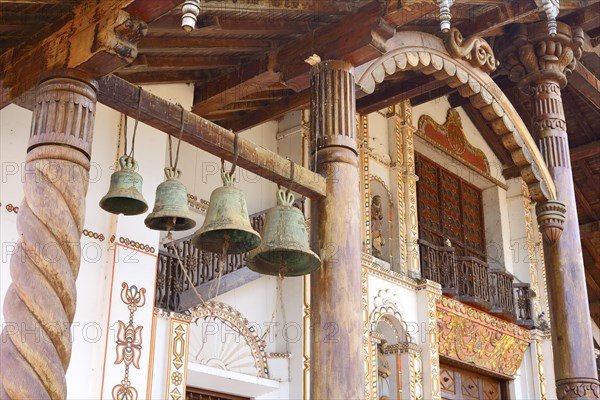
[(531, 54)]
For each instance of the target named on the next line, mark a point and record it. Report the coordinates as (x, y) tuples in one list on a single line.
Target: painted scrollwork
[(475, 50)]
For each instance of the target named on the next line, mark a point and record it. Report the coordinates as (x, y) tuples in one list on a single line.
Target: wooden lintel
[(203, 134)]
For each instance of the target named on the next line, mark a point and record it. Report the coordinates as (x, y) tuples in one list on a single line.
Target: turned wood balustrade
[(471, 281)]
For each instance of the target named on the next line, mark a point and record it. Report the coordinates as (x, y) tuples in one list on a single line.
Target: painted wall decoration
[(129, 341), (129, 325), (226, 340), (476, 338), (451, 138), (178, 356)]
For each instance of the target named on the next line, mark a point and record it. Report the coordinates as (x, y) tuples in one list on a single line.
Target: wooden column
[(337, 370), (540, 64), (39, 305)]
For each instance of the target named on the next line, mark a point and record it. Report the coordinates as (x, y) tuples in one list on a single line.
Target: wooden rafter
[(287, 64), (584, 151), (166, 116)]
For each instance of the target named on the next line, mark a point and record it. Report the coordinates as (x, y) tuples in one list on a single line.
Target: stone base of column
[(578, 389)]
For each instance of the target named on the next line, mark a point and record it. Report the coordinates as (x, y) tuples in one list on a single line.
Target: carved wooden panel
[(467, 385), (472, 219), (428, 196), (449, 208)]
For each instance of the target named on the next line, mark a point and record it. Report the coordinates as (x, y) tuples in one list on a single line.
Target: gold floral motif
[(432, 335), (531, 244), (540, 368), (473, 337)]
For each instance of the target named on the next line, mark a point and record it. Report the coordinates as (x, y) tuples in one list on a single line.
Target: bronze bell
[(171, 212), (125, 193), (227, 226), (285, 249)]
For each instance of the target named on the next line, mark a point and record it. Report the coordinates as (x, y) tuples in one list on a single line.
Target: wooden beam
[(169, 76), (583, 203), (274, 110), (99, 39), (203, 134), (249, 78), (334, 41), (387, 95), (589, 229), (585, 151), (492, 22), (188, 44), (586, 84), (313, 7), (222, 25)]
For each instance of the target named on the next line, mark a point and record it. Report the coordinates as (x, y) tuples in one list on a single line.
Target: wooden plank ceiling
[(246, 61)]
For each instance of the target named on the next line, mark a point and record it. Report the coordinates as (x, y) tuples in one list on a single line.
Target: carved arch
[(231, 317), (419, 51), (379, 179)]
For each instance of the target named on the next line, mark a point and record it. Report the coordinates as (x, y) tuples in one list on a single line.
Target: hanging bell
[(284, 249), (125, 193), (227, 226), (171, 212)]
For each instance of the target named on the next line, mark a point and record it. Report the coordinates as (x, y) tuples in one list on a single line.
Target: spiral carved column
[(336, 361), (539, 63), (39, 305)]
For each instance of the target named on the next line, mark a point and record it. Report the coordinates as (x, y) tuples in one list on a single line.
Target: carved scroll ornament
[(474, 337), (475, 50)]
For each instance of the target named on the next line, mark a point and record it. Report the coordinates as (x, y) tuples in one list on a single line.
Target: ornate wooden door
[(467, 385)]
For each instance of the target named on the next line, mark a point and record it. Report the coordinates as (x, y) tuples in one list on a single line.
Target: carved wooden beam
[(166, 116), (99, 39)]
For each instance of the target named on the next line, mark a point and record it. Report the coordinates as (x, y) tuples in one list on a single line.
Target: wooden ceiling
[(246, 61)]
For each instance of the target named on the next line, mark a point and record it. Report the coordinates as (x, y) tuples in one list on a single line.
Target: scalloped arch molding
[(418, 51)]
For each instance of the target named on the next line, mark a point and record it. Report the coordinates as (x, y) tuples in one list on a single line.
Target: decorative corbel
[(475, 50), (551, 217)]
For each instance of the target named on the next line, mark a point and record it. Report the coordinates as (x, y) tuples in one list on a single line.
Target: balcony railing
[(471, 281), (201, 266)]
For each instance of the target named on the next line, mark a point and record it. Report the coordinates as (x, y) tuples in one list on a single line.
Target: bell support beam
[(163, 115), (100, 38), (39, 305), (540, 64), (336, 362)]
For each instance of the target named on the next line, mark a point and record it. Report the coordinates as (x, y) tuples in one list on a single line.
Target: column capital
[(531, 54), (551, 216), (333, 106), (64, 109)]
